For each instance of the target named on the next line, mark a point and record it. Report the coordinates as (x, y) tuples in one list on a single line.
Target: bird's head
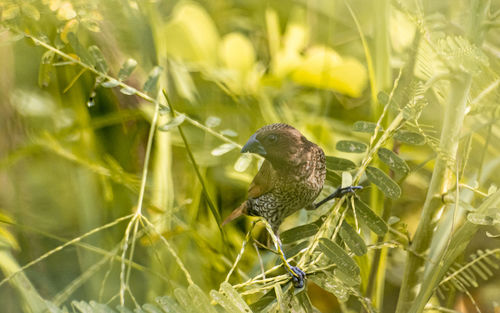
[(280, 144)]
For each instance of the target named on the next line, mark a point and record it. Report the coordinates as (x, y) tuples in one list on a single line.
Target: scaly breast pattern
[(294, 190)]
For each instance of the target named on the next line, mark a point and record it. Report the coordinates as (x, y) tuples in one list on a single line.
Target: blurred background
[(74, 143)]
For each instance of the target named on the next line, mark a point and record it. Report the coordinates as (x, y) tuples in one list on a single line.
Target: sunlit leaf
[(230, 299), (483, 219), (409, 137), (151, 84), (243, 162), (110, 83), (100, 62), (393, 220), (213, 121), (388, 186), (352, 239), (393, 161), (71, 26), (229, 132), (127, 69), (46, 68), (128, 91), (298, 233), (350, 146), (176, 121), (339, 164), (364, 127), (223, 149), (372, 220), (346, 179), (338, 255)]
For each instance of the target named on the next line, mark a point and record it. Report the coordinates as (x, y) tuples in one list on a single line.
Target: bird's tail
[(242, 209)]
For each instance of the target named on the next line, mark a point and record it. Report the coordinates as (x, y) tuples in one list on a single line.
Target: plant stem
[(441, 182), (442, 177)]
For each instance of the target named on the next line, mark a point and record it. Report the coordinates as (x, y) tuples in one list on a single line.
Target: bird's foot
[(298, 277), (345, 190)]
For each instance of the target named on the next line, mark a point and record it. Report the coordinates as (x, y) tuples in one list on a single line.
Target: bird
[(290, 178)]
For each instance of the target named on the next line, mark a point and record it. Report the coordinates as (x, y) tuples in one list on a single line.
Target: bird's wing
[(263, 181), (261, 184)]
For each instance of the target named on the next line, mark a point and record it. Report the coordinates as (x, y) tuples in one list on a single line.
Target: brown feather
[(242, 209), (263, 181)]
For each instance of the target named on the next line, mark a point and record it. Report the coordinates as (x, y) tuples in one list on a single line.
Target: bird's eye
[(272, 138)]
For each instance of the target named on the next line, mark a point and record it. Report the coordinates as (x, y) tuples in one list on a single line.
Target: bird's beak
[(254, 146)]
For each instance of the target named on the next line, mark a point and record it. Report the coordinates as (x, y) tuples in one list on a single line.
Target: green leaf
[(223, 149), (100, 62), (352, 239), (185, 300), (389, 187), (372, 220), (243, 162), (230, 299), (127, 69), (176, 121), (80, 50), (346, 179), (339, 164), (291, 251), (150, 86), (298, 233), (128, 91), (110, 83), (200, 300), (169, 305), (46, 68), (483, 219), (333, 178), (213, 121), (365, 127), (350, 146), (229, 132), (392, 160), (346, 279), (409, 137), (335, 253), (330, 283)]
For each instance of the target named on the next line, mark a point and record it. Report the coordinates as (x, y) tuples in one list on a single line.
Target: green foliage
[(402, 96)]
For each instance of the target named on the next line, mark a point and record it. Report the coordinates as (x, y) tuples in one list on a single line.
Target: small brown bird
[(290, 179)]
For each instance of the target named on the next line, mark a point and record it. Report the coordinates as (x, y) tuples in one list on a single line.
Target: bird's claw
[(349, 189), (298, 277)]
